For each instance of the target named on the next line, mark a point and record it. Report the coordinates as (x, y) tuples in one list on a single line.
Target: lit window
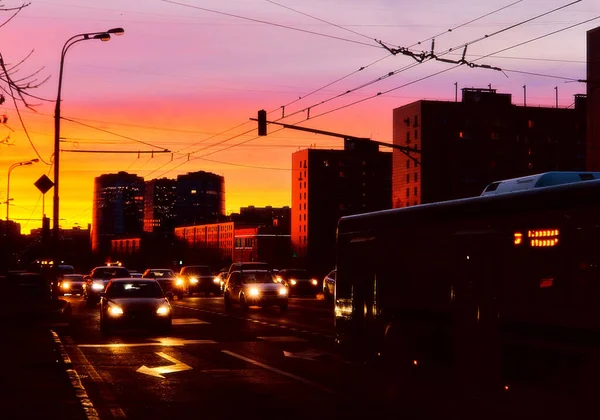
[(530, 124), (193, 191)]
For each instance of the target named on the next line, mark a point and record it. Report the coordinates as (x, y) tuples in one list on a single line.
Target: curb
[(80, 392)]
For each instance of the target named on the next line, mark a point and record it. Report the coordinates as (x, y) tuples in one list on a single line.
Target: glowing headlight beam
[(163, 310), (254, 292)]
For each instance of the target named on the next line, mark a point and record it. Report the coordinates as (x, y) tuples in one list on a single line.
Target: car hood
[(265, 286), (133, 303)]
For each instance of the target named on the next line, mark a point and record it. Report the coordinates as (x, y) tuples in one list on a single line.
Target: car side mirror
[(169, 295)]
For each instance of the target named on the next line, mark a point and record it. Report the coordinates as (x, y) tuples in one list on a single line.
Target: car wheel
[(243, 304), (283, 308)]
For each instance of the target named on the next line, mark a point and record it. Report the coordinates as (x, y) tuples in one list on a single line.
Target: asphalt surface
[(255, 364)]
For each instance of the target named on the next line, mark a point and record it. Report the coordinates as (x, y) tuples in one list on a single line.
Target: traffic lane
[(302, 356), (302, 314)]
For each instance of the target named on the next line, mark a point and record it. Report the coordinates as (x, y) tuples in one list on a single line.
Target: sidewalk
[(34, 383)]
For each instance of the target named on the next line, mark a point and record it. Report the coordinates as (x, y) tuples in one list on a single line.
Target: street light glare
[(116, 31)]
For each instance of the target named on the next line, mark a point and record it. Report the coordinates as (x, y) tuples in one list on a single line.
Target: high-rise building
[(329, 184), (200, 198), (118, 208), (159, 205), (593, 101), (463, 146)]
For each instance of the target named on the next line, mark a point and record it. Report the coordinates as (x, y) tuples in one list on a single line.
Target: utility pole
[(455, 91), (524, 96), (556, 89)]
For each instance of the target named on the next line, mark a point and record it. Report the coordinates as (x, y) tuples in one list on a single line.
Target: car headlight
[(179, 281), (283, 291), (114, 310), (193, 280), (163, 310), (97, 286), (278, 279), (65, 286), (254, 291), (216, 280), (293, 282), (314, 282)]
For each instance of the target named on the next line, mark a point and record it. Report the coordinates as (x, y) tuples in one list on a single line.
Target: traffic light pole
[(262, 131)]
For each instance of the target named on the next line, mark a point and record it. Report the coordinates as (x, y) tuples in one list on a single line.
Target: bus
[(538, 180), (498, 291)]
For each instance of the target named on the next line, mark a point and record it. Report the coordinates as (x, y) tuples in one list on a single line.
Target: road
[(217, 365), (256, 364)]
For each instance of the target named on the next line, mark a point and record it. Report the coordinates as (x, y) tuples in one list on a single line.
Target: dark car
[(134, 302), (167, 279), (298, 281), (96, 281), (254, 288), (199, 278)]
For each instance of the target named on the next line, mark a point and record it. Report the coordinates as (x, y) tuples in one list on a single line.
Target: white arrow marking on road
[(306, 355), (158, 371), (166, 342)]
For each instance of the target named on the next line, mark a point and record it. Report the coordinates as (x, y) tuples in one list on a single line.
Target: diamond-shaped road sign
[(43, 184)]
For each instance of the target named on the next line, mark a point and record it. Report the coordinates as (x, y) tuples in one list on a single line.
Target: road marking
[(160, 370), (283, 339), (166, 342), (188, 321), (105, 392), (279, 371), (306, 355), (328, 336)]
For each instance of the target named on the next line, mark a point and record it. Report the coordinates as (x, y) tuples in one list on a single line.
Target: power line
[(322, 20), (271, 23)]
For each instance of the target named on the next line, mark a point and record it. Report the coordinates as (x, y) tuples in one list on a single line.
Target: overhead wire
[(271, 23)]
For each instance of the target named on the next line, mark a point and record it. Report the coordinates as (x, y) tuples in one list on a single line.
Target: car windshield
[(73, 277), (161, 273), (198, 271), (302, 274), (258, 277), (134, 289), (110, 272)]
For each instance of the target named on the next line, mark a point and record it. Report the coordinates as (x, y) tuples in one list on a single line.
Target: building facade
[(329, 184), (463, 146), (593, 95), (118, 208), (159, 205), (209, 242), (200, 198)]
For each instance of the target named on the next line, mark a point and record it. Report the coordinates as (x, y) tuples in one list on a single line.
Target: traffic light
[(262, 122)]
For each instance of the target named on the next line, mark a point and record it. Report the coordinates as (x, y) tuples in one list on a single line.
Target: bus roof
[(535, 199), (545, 179)]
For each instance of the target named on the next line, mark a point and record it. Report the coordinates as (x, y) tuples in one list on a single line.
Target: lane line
[(84, 400), (328, 336), (280, 372), (103, 387)]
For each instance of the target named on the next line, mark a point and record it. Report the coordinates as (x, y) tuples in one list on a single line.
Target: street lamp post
[(103, 36), (13, 166)]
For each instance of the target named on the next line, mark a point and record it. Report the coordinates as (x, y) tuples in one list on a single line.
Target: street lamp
[(102, 36), (8, 199)]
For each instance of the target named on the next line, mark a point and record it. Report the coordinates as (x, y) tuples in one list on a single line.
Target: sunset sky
[(188, 74)]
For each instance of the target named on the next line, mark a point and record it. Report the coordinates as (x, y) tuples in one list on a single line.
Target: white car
[(254, 288)]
